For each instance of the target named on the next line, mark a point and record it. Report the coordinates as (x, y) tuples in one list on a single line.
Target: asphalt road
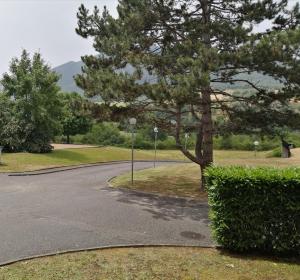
[(76, 210)]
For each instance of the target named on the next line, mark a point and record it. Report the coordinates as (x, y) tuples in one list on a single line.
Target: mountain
[(68, 70), (258, 79)]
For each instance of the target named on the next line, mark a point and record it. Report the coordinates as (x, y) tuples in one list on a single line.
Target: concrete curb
[(74, 167), (90, 249)]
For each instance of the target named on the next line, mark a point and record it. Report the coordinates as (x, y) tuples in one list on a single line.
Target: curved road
[(76, 210)]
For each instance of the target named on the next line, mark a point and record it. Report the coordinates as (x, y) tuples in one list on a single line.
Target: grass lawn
[(183, 179), (153, 263), (67, 157), (178, 180)]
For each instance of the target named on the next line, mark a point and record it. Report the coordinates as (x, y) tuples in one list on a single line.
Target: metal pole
[(155, 148), (132, 154), (186, 136), (1, 148), (256, 143)]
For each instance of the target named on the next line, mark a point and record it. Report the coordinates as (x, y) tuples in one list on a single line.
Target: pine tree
[(192, 50)]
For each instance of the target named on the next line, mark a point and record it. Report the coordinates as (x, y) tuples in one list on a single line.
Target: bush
[(244, 143), (143, 143), (255, 209), (167, 144), (140, 142), (277, 153), (103, 134)]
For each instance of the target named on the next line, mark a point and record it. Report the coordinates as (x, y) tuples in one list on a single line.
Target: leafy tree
[(8, 124), (76, 118), (32, 93), (192, 50)]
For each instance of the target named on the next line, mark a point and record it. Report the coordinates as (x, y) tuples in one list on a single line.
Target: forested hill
[(70, 69)]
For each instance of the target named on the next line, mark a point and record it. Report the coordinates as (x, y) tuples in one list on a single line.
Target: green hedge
[(255, 209)]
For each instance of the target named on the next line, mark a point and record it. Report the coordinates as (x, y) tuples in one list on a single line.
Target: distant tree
[(32, 93), (104, 134), (77, 115), (193, 49)]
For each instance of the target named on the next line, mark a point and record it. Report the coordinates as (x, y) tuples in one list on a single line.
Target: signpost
[(132, 123), (155, 144), (256, 144)]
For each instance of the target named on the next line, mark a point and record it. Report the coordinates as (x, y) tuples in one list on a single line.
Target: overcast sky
[(47, 26)]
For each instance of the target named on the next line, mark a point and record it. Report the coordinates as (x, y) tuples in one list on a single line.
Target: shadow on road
[(165, 208)]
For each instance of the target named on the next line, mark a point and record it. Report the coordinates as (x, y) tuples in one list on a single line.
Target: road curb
[(74, 167), (90, 249)]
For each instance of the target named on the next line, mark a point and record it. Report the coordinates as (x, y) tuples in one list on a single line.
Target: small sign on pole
[(256, 144), (155, 143)]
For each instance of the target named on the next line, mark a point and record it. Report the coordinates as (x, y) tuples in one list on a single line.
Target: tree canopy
[(31, 105), (76, 115), (193, 49)]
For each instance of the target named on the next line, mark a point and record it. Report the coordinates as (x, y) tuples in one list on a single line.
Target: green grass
[(178, 180), (153, 263), (68, 157), (183, 180)]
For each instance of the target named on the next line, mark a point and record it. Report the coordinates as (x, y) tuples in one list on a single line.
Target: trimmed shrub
[(255, 209)]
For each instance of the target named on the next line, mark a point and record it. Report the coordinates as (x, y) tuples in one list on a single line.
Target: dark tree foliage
[(77, 115), (192, 50), (32, 109)]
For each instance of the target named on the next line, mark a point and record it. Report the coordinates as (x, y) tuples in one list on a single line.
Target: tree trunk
[(207, 128), (286, 151), (202, 183), (206, 121), (68, 139), (204, 147)]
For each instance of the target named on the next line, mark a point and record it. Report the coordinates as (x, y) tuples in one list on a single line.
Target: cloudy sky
[(47, 26)]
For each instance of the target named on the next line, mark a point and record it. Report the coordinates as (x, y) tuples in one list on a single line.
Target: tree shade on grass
[(179, 180), (153, 263)]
